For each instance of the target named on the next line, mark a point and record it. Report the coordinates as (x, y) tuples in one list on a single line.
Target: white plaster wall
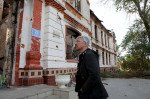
[(111, 43), (98, 33), (60, 2), (84, 20), (26, 31), (106, 41), (112, 59), (85, 10), (42, 33), (54, 57), (93, 30), (53, 39)]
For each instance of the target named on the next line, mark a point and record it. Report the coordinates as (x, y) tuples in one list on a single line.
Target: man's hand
[(80, 90)]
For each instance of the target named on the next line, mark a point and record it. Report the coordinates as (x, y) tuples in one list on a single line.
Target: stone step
[(23, 92), (66, 93), (41, 95), (38, 93), (51, 97)]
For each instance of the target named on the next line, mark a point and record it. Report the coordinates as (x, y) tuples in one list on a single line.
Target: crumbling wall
[(8, 13)]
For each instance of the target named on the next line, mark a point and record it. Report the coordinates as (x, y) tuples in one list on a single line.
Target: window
[(105, 41), (96, 32), (78, 5), (102, 37), (103, 57), (71, 53), (108, 42), (106, 59), (109, 59), (97, 51)]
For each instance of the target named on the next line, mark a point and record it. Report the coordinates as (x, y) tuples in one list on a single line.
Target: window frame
[(78, 5), (68, 28)]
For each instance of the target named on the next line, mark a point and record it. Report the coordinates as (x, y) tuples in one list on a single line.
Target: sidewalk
[(133, 88), (117, 88), (21, 92), (38, 92)]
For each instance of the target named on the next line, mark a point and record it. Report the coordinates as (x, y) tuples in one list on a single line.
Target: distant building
[(44, 40)]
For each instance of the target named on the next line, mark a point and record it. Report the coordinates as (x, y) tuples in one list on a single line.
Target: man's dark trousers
[(82, 95)]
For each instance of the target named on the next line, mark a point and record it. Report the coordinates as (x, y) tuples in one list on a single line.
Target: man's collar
[(84, 51)]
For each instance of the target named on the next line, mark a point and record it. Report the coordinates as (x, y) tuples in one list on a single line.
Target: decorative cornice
[(77, 24), (54, 4)]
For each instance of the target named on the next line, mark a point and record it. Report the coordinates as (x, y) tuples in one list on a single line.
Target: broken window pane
[(71, 53)]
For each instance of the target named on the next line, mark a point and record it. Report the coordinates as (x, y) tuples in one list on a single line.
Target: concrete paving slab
[(22, 92), (133, 88)]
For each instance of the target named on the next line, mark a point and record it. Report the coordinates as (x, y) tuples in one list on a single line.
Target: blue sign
[(36, 33)]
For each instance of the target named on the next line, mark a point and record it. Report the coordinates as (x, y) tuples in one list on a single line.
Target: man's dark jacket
[(88, 75)]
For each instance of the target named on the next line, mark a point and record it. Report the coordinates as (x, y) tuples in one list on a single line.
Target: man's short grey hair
[(85, 39)]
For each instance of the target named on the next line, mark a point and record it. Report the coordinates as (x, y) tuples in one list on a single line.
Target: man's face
[(79, 44)]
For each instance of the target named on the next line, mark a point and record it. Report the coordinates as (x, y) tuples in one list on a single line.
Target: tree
[(119, 57), (135, 62), (141, 7), (137, 40), (137, 45)]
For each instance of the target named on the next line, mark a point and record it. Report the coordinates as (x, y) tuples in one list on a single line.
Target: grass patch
[(125, 74)]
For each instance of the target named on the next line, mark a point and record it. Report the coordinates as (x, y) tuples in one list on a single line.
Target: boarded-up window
[(71, 54)]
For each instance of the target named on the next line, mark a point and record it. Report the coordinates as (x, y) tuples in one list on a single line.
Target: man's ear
[(85, 44)]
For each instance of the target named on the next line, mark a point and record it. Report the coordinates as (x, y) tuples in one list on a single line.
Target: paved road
[(132, 88)]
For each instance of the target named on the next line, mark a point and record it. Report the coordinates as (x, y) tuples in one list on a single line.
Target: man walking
[(88, 82)]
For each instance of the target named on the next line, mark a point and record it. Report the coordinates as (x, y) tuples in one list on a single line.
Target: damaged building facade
[(44, 38)]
